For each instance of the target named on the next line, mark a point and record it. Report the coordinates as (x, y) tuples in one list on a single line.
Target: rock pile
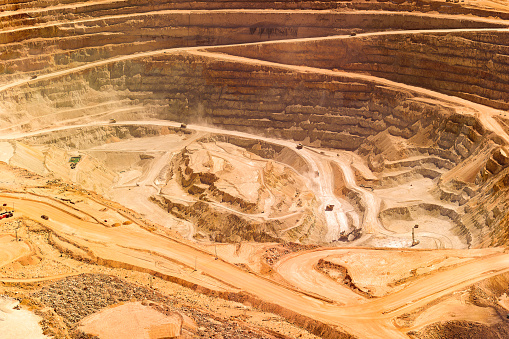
[(75, 298)]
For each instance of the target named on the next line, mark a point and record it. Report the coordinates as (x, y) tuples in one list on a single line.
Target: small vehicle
[(183, 125), (329, 207), (4, 216), (300, 146), (112, 121), (33, 77), (353, 34), (45, 217)]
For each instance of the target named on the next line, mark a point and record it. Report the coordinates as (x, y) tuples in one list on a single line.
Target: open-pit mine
[(254, 169)]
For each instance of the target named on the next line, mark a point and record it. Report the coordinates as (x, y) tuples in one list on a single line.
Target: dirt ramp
[(490, 295)]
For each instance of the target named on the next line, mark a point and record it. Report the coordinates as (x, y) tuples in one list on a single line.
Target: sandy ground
[(412, 192), (6, 151), (456, 308), (55, 266), (138, 183), (131, 320), (127, 239), (137, 198), (382, 272), (308, 291), (131, 246), (434, 233), (11, 250), (422, 277), (500, 5), (231, 164), (18, 323)]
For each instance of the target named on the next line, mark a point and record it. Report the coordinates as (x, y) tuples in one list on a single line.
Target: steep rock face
[(47, 40), (488, 207), (92, 8), (325, 109), (92, 136), (470, 65)]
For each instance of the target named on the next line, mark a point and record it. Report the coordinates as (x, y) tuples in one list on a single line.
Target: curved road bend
[(105, 243)]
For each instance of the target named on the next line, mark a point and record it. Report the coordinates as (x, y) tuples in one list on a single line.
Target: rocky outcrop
[(341, 275), (201, 175)]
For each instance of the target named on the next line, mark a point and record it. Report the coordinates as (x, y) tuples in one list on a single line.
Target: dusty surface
[(18, 323), (382, 272), (242, 169), (132, 320), (11, 249)]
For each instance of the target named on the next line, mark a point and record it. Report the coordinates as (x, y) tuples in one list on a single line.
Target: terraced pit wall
[(326, 109), (322, 108), (470, 65), (52, 45), (91, 8), (333, 111)]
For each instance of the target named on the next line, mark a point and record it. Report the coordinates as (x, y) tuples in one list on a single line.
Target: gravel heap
[(74, 298)]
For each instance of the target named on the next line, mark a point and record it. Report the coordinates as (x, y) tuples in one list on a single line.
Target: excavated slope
[(94, 8), (469, 64), (52, 45), (69, 63), (336, 111)]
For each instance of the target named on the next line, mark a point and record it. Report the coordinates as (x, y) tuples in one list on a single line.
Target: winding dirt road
[(134, 247)]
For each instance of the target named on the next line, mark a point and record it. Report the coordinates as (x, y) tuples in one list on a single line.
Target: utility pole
[(414, 242), (17, 229)]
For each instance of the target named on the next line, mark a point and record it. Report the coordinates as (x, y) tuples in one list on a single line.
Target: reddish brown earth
[(255, 169)]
